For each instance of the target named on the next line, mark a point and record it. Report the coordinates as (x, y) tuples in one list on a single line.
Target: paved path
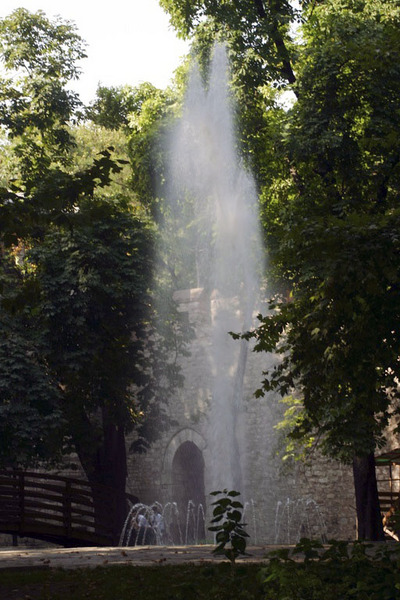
[(72, 558)]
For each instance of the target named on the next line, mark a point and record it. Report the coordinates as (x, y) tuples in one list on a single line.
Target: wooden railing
[(389, 501), (57, 509), (388, 491)]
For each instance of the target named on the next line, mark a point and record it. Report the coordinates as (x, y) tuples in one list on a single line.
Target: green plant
[(229, 529), (342, 570)]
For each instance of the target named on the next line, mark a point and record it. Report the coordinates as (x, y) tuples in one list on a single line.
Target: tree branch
[(260, 8), (282, 51)]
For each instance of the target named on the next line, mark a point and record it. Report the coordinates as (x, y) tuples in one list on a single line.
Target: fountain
[(295, 519), (206, 169), (161, 525), (223, 437)]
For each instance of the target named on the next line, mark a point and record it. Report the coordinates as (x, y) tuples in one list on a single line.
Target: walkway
[(73, 558)]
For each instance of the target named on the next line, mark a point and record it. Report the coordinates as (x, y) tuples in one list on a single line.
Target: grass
[(166, 582), (309, 571)]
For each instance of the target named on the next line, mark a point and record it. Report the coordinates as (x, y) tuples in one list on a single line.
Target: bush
[(341, 571)]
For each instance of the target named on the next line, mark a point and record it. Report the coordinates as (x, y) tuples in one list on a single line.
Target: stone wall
[(282, 502)]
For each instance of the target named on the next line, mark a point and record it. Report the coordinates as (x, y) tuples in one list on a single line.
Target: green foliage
[(83, 357), (341, 570), (344, 127), (32, 425), (39, 58), (332, 224), (229, 531), (90, 141), (32, 43), (163, 581), (289, 446), (256, 31), (149, 126), (116, 107), (94, 276), (112, 107), (29, 207)]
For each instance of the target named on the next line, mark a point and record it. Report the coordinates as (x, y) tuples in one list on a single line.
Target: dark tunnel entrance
[(188, 491)]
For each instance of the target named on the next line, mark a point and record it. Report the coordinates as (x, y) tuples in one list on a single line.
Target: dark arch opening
[(188, 490)]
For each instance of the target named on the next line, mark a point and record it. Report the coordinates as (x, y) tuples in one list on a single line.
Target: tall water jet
[(219, 435), (206, 170)]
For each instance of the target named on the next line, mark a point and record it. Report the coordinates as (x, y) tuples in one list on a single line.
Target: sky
[(129, 41)]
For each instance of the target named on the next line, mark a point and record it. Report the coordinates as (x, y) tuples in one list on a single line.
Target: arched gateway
[(185, 454), (183, 479), (188, 475)]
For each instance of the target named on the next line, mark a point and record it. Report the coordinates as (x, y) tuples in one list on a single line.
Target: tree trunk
[(103, 458), (110, 470), (369, 520)]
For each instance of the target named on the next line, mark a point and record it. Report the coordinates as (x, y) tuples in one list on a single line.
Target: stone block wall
[(282, 502)]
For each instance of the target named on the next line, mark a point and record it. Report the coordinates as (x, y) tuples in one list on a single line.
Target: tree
[(259, 38), (76, 304), (256, 31), (114, 107), (34, 113), (94, 278), (35, 110), (337, 240), (31, 419), (329, 207), (147, 131), (35, 107)]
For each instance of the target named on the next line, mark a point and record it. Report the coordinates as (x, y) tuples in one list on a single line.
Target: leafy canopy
[(334, 228)]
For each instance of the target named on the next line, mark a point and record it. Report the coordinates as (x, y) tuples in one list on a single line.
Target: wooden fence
[(55, 508)]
